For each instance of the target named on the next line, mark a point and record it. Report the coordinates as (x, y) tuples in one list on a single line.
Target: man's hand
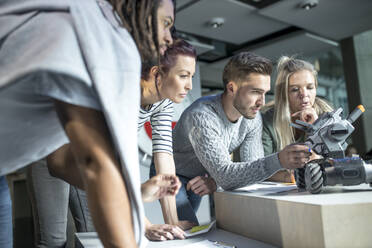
[(185, 224), (308, 115), (161, 232), (202, 185), (294, 156), (160, 186), (282, 176)]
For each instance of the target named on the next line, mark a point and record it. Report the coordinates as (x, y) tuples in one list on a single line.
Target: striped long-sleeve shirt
[(160, 115)]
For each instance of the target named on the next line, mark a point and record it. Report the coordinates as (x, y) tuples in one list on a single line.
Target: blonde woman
[(295, 98)]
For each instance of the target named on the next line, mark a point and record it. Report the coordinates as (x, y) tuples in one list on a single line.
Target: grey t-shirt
[(76, 52), (204, 138)]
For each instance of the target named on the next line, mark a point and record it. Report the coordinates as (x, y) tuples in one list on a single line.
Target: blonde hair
[(287, 66)]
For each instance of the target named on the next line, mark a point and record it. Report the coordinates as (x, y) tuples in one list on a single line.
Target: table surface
[(90, 240), (331, 195)]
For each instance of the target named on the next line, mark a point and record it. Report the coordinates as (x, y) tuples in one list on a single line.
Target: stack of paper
[(269, 187)]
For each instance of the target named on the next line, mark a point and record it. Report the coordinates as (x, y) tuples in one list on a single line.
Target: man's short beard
[(240, 110), (248, 116)]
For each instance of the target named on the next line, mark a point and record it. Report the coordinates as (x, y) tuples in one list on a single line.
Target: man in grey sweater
[(214, 126)]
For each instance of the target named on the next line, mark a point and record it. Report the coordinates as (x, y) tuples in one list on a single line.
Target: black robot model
[(327, 137)]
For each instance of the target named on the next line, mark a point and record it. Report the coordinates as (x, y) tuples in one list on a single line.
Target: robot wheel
[(313, 178), (300, 178)]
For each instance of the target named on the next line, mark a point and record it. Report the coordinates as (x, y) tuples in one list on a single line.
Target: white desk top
[(90, 240)]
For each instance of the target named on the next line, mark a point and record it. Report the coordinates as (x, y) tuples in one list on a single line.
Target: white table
[(90, 240), (338, 217)]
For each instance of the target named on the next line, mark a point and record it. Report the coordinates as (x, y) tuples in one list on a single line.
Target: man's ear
[(231, 87)]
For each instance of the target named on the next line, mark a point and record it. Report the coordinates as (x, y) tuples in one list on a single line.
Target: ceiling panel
[(200, 47), (334, 19), (181, 3), (300, 43), (242, 23)]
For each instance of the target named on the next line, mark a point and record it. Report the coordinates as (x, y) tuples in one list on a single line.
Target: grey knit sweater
[(204, 138)]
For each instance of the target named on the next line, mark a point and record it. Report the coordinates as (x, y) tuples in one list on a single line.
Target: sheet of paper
[(205, 228), (206, 244), (268, 187), (201, 244)]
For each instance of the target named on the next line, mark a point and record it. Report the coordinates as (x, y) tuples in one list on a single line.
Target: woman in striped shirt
[(161, 86)]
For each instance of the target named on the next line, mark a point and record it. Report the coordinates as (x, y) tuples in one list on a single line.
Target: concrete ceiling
[(280, 28), (298, 43), (333, 19), (241, 21), (182, 3)]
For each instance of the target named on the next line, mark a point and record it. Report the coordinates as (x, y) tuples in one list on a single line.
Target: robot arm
[(327, 135)]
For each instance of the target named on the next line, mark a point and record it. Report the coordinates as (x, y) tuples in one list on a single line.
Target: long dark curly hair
[(139, 17)]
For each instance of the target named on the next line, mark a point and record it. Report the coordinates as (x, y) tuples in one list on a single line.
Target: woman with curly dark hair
[(69, 82)]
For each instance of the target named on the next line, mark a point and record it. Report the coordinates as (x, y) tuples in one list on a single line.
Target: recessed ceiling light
[(309, 4), (216, 22)]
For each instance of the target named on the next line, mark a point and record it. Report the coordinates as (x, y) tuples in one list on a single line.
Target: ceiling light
[(309, 4), (216, 22)]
